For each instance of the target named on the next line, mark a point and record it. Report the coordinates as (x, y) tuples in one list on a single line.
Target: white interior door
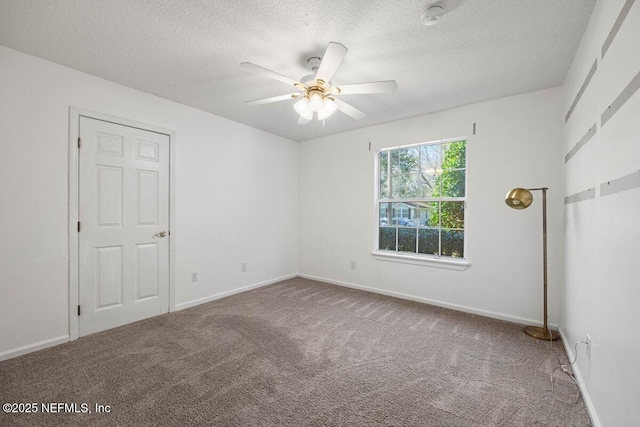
[(124, 225)]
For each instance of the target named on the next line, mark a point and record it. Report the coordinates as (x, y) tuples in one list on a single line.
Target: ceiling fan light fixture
[(328, 108), (316, 97), (302, 108), (315, 100)]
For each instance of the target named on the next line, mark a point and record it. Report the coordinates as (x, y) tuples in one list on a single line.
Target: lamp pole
[(543, 333), (545, 328)]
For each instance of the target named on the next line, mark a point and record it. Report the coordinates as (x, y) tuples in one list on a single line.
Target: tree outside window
[(421, 200)]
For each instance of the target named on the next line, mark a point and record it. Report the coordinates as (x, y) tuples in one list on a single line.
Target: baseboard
[(463, 308), (210, 298), (586, 397), (10, 354)]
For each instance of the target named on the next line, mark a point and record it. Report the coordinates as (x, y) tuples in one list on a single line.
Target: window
[(421, 199)]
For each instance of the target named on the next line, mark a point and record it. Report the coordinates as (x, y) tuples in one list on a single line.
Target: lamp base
[(540, 333)]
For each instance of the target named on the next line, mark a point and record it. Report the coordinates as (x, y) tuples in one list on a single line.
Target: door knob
[(160, 234)]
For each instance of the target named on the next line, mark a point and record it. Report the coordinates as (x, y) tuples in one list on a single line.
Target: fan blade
[(386, 86), (302, 121), (331, 60), (258, 69), (272, 99), (350, 110)]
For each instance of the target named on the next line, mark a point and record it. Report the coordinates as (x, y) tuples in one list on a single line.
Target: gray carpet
[(300, 353)]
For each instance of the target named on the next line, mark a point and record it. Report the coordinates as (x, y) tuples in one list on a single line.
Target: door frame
[(74, 166)]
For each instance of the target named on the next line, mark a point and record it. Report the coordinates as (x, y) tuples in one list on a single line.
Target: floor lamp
[(521, 198)]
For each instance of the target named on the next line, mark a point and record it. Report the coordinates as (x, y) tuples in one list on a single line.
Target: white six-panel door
[(124, 225)]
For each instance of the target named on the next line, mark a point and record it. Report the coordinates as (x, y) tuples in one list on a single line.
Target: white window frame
[(410, 257)]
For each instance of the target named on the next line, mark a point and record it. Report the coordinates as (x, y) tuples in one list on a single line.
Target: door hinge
[(78, 310), (78, 226), (79, 142)]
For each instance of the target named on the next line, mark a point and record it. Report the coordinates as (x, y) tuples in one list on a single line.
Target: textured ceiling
[(189, 51)]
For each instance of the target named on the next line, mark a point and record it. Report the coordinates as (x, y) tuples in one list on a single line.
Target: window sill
[(446, 263)]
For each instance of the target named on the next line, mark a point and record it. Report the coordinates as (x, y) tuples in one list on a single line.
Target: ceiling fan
[(317, 98)]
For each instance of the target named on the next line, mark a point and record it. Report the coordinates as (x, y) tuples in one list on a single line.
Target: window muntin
[(421, 199)]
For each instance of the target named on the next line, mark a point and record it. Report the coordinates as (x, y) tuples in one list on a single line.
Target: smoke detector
[(432, 14)]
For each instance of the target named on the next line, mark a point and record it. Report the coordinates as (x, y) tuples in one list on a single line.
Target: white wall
[(602, 236), (236, 196), (517, 145)]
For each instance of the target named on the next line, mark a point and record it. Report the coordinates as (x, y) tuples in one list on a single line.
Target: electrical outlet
[(194, 277), (353, 265), (243, 267), (588, 346)]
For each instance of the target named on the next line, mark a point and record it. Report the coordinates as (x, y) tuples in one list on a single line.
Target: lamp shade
[(519, 198), (302, 108), (328, 108), (315, 100)]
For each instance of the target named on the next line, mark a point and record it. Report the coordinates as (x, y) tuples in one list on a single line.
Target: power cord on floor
[(567, 369)]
